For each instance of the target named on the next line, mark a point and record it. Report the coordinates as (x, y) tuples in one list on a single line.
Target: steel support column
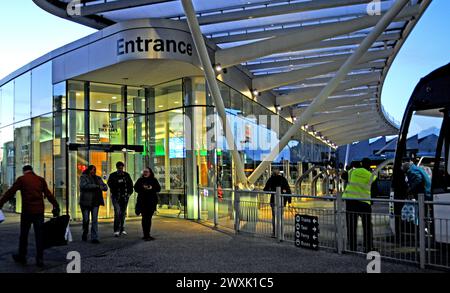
[(379, 28), (213, 85)]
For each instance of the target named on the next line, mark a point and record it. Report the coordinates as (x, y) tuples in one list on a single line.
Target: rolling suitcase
[(55, 231)]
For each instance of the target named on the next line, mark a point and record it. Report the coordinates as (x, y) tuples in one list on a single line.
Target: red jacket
[(33, 190)]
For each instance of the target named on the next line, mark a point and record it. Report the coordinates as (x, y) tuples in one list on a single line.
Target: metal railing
[(422, 239)]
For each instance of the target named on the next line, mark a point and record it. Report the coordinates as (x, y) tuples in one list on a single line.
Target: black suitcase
[(55, 231)]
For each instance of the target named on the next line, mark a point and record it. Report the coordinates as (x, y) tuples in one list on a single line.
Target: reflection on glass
[(106, 128), (7, 107), (76, 95), (106, 97), (136, 100), (41, 90), (42, 138), (76, 121), (22, 97), (168, 96)]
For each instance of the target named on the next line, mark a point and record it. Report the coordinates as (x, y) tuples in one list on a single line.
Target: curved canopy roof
[(289, 48)]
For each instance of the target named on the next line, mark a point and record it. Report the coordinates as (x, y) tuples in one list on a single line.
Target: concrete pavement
[(184, 247)]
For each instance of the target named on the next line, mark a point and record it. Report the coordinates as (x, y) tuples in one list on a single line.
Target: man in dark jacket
[(277, 180), (33, 190), (121, 187)]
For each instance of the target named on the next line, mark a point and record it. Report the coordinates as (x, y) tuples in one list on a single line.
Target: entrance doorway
[(105, 162)]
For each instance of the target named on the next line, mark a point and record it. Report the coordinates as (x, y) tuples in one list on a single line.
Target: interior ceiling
[(234, 24), (142, 72)]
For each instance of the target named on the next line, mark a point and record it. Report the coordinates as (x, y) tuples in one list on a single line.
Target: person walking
[(121, 187), (147, 188), (33, 190), (361, 185), (91, 198), (277, 180)]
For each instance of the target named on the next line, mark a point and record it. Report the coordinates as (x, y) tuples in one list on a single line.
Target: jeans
[(120, 213), (357, 209), (38, 224), (93, 212), (147, 222)]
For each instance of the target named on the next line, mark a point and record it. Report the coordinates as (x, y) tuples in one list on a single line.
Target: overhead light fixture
[(255, 93), (114, 98), (99, 102), (218, 68), (160, 106), (78, 94)]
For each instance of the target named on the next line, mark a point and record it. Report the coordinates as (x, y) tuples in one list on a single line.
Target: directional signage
[(307, 231)]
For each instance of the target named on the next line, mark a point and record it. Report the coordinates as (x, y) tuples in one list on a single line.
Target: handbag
[(138, 208)]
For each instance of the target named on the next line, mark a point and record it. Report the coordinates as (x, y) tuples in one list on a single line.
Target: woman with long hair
[(147, 188), (91, 198)]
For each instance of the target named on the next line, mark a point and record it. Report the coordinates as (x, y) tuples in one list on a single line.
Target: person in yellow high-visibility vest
[(357, 195)]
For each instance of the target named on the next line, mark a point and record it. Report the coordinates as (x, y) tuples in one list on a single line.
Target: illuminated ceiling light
[(160, 106), (78, 94), (114, 98), (99, 102), (255, 93), (218, 68), (279, 108), (176, 102)]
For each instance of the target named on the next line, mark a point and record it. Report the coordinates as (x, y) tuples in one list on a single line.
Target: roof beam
[(275, 10), (286, 42), (308, 94), (268, 82), (116, 5), (365, 125), (376, 64), (302, 61), (321, 81), (349, 101), (324, 117), (350, 120)]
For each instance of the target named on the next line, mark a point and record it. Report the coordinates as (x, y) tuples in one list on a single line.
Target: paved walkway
[(184, 247)]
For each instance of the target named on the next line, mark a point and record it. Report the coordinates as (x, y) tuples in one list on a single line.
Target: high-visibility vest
[(359, 184)]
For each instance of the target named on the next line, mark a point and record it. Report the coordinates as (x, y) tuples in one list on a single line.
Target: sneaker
[(19, 259), (123, 233), (116, 234), (95, 241)]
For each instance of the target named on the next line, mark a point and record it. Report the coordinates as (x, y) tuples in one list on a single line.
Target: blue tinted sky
[(28, 32), (427, 48)]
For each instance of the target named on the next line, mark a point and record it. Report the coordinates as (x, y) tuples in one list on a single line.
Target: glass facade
[(173, 127)]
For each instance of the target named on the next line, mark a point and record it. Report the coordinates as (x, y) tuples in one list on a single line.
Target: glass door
[(105, 162)]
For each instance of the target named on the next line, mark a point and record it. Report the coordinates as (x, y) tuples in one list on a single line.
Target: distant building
[(419, 145)]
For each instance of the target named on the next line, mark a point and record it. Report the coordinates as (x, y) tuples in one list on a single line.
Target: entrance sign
[(307, 231)]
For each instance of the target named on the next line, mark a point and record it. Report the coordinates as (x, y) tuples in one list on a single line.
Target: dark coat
[(147, 199), (278, 181), (91, 191), (120, 184), (33, 190)]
